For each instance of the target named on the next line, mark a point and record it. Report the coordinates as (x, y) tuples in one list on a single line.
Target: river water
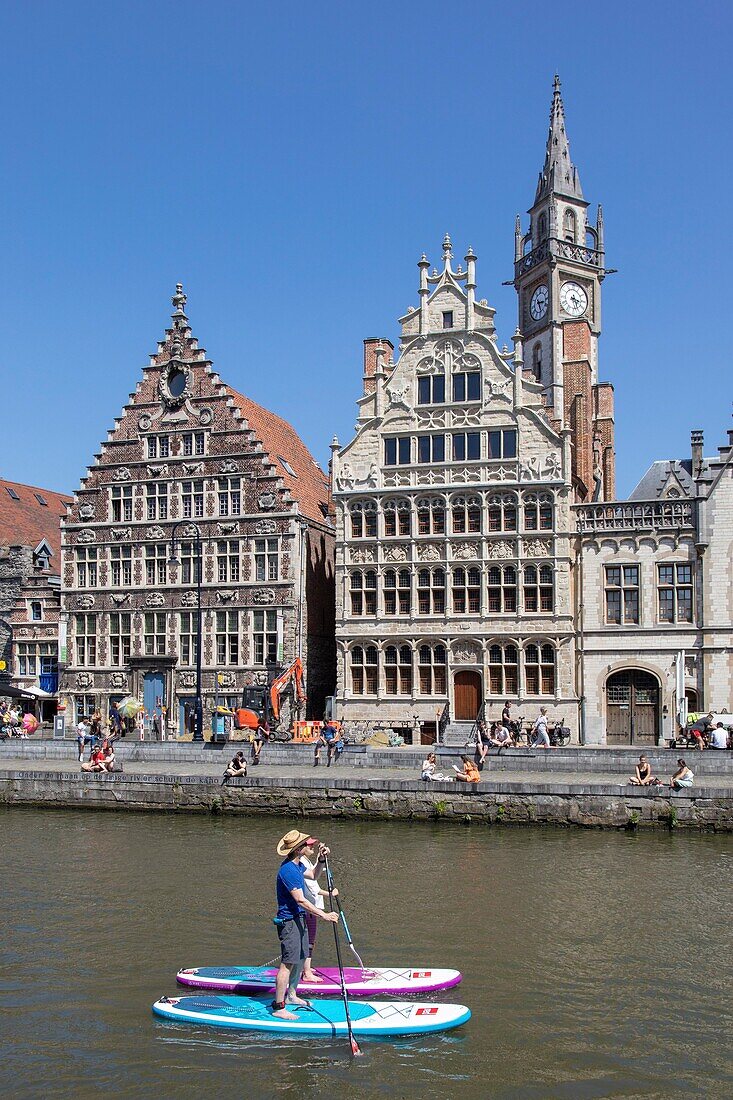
[(596, 964)]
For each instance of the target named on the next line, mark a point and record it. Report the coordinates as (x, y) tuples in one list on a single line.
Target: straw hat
[(291, 841)]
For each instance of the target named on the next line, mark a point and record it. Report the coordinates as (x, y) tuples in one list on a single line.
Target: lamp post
[(198, 727)]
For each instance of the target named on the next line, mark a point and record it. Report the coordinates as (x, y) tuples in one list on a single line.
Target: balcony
[(635, 516), (559, 250)]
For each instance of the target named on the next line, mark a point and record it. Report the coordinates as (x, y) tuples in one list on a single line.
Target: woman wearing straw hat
[(292, 906)]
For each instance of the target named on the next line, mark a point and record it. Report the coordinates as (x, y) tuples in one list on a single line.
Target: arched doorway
[(467, 695), (632, 708)]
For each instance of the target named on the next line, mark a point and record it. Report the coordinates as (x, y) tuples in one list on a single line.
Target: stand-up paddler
[(292, 906)]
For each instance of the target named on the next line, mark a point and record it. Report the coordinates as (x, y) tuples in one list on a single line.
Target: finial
[(423, 261), (470, 254), (179, 299), (447, 249), (556, 85)]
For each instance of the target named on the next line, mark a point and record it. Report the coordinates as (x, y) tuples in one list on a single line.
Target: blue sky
[(289, 164)]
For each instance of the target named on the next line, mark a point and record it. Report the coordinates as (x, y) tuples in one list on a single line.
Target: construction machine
[(263, 704)]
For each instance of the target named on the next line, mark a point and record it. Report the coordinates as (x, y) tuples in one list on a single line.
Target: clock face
[(573, 299), (539, 302)]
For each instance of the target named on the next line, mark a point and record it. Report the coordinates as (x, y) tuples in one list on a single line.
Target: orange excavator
[(262, 705)]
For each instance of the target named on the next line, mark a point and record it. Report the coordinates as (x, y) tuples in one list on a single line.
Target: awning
[(11, 692)]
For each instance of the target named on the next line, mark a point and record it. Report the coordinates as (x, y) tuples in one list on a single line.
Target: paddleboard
[(390, 981), (325, 1017)]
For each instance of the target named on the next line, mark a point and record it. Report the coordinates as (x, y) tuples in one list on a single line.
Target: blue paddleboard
[(325, 1017)]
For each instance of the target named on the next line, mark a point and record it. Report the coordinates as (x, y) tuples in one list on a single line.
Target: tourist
[(315, 894), (428, 771), (683, 777), (236, 766), (700, 730), (329, 736), (115, 719), (470, 773), (260, 735), (483, 740), (642, 776), (540, 736), (292, 906), (501, 738), (95, 762), (108, 756), (95, 725), (83, 737), (719, 737)]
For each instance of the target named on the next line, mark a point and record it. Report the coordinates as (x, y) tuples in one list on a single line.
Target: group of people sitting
[(643, 776), (11, 723), (467, 773), (101, 758)]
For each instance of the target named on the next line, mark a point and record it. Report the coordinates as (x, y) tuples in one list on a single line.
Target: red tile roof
[(24, 522), (309, 486)]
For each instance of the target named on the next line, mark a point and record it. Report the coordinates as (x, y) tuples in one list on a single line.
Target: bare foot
[(283, 1014), (312, 978), (299, 1001)]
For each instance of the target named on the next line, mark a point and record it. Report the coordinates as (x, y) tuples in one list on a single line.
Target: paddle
[(348, 934), (354, 1045)]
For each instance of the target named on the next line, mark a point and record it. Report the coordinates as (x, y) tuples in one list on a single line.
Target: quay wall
[(491, 803)]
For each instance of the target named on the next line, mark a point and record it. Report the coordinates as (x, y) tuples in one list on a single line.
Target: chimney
[(696, 440), (370, 359)]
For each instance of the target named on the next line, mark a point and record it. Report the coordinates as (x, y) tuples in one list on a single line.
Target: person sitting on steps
[(470, 773), (236, 766), (642, 776), (683, 777), (261, 734), (331, 738)]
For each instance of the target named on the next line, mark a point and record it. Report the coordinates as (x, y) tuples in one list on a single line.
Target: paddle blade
[(355, 1048)]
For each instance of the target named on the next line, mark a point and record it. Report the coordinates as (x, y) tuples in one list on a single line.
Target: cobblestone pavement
[(215, 767)]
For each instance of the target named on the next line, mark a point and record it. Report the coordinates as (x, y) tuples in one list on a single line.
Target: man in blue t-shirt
[(292, 905)]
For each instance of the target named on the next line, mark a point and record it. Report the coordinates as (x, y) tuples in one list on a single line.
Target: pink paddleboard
[(390, 980)]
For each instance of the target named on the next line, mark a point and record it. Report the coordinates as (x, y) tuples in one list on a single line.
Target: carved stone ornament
[(266, 527), (121, 533), (395, 553), (189, 599), (118, 680), (121, 474), (86, 511), (145, 423), (86, 536), (175, 384), (85, 601), (193, 468), (428, 553), (397, 397), (530, 470), (118, 598), (263, 595), (260, 678), (464, 551), (501, 473), (228, 467), (466, 652), (187, 679), (154, 599), (206, 416), (553, 467), (84, 680), (155, 532), (266, 501), (496, 389), (537, 548), (158, 471), (227, 679), (500, 551), (363, 555), (189, 531), (225, 595), (228, 528)]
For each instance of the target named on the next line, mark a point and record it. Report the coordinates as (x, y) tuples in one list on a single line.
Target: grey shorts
[(293, 936)]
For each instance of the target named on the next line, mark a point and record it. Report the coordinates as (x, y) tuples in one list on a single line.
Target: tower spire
[(558, 174)]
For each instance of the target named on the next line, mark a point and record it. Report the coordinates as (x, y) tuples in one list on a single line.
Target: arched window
[(397, 592), (363, 520), (503, 513), (431, 591), (568, 226), (364, 670), (431, 516), (539, 593), (363, 592), (502, 589), (539, 669), (503, 670), (537, 361), (466, 515), (538, 512), (432, 661), (466, 591), (396, 517), (541, 227), (398, 670)]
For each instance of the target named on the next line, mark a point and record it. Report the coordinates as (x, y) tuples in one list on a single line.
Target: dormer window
[(11, 493), (448, 318), (41, 500)]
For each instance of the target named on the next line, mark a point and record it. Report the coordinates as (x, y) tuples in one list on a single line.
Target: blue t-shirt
[(289, 877), (329, 733)]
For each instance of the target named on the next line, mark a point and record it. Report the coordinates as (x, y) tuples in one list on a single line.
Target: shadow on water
[(595, 964)]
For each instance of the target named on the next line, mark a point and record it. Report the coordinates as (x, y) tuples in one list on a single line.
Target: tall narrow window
[(364, 592), (193, 443), (227, 637), (267, 559), (264, 636), (537, 362), (227, 561), (431, 591), (466, 591), (466, 515), (121, 566), (675, 593), (430, 516), (86, 640), (192, 499), (121, 501), (538, 512), (568, 226), (539, 669), (432, 662), (156, 564), (86, 567), (502, 589), (154, 624), (230, 496), (119, 638), (622, 594), (447, 318), (188, 641), (503, 669), (190, 563), (364, 670), (156, 494), (538, 588), (467, 386), (503, 513)]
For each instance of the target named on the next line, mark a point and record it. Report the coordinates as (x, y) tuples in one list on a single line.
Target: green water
[(595, 964)]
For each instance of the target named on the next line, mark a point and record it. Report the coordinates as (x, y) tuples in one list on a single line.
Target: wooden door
[(467, 691), (632, 708)]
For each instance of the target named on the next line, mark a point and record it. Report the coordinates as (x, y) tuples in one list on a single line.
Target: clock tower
[(558, 271)]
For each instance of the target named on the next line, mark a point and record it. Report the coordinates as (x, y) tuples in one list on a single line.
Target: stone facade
[(656, 610), (453, 523), (189, 456)]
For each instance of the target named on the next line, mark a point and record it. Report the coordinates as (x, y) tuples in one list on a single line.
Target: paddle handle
[(354, 1045)]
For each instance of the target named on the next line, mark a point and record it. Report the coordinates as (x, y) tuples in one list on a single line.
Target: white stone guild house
[(454, 531)]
